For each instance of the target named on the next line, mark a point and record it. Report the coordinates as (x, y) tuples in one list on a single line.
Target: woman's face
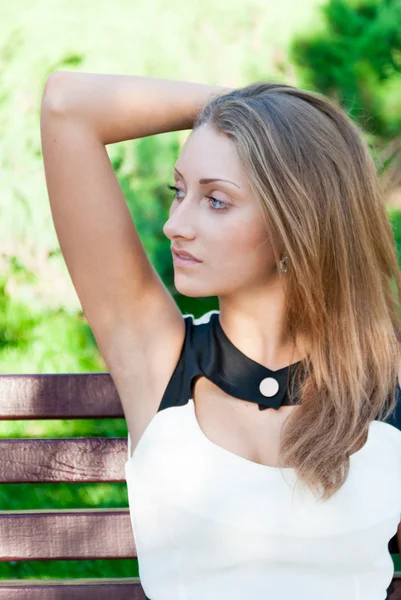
[(228, 234)]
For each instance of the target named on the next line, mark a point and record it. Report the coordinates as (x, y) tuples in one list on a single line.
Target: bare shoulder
[(143, 355)]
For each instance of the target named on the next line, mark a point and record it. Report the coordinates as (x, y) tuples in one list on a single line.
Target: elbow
[(53, 97)]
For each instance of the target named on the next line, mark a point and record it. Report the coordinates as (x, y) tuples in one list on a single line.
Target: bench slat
[(70, 534), (101, 533), (120, 590), (59, 396), (72, 589), (62, 460)]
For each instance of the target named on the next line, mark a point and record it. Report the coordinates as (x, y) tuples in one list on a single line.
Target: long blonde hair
[(324, 207)]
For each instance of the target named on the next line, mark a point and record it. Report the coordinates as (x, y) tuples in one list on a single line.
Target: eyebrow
[(208, 179)]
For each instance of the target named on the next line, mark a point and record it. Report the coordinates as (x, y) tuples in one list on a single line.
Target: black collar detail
[(237, 374)]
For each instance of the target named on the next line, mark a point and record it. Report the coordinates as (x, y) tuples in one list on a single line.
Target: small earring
[(283, 265)]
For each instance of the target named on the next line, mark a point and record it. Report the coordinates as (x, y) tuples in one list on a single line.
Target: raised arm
[(123, 107), (136, 323)]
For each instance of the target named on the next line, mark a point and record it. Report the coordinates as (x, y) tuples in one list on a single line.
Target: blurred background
[(349, 50)]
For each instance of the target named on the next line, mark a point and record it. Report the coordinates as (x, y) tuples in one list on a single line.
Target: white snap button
[(269, 386)]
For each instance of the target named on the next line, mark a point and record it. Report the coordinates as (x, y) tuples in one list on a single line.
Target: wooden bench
[(64, 534), (79, 533)]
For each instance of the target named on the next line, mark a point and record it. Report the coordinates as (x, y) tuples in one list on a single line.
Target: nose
[(181, 222)]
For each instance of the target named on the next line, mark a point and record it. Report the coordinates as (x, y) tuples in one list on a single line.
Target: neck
[(257, 325)]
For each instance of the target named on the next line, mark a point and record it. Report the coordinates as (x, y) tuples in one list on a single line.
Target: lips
[(184, 254)]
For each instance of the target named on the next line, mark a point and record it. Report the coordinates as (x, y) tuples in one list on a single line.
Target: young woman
[(265, 437)]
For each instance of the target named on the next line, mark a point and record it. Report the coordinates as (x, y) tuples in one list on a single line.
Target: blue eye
[(225, 207)]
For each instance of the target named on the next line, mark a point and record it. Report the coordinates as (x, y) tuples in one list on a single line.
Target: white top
[(212, 525)]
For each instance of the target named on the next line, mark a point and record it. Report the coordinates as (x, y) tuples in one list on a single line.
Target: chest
[(237, 425)]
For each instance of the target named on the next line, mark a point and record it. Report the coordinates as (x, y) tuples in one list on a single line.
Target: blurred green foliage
[(348, 50), (355, 57)]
